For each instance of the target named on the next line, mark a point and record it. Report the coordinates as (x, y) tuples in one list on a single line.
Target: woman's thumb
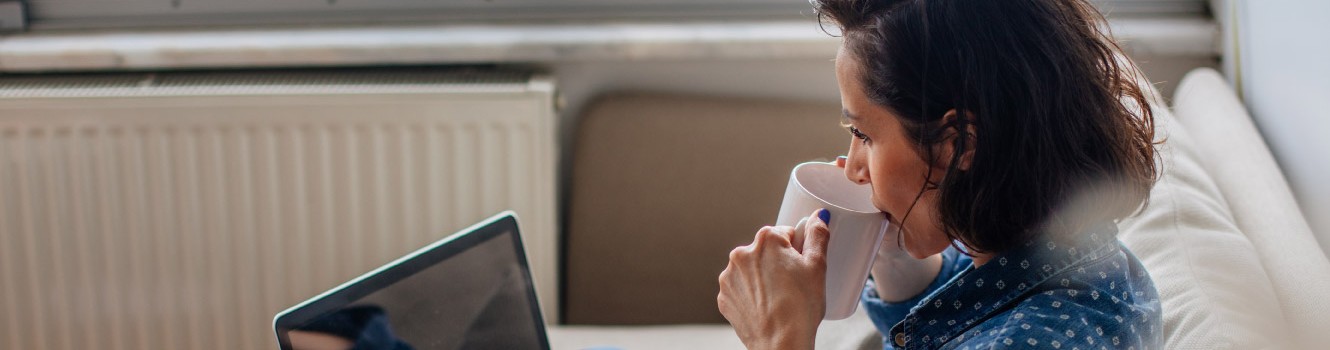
[(816, 235)]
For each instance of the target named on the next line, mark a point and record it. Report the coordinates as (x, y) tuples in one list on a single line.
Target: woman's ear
[(959, 134)]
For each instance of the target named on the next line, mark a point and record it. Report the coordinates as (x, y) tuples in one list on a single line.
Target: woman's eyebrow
[(844, 113)]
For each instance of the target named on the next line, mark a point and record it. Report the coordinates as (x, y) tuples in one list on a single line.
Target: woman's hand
[(774, 290)]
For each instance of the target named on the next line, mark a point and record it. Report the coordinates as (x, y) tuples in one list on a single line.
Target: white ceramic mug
[(857, 228)]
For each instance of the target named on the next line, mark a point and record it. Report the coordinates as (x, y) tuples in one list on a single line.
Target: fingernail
[(825, 215)]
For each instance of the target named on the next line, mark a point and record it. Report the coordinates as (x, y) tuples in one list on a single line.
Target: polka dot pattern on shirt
[(1082, 293)]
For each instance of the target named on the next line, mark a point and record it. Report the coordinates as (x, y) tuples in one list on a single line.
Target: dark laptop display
[(469, 291)]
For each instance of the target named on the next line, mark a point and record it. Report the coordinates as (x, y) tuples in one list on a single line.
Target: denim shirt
[(1082, 292)]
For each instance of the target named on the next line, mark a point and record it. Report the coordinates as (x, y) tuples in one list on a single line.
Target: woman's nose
[(854, 170)]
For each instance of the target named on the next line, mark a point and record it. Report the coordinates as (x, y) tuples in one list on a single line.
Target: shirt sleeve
[(887, 314)]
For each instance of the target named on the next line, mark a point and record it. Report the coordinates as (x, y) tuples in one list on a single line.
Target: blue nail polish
[(825, 215)]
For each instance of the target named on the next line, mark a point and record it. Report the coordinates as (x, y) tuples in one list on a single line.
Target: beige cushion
[(664, 186), (1213, 289), (659, 337), (1236, 156), (853, 333)]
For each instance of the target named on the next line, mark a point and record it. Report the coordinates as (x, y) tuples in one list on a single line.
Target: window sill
[(497, 43)]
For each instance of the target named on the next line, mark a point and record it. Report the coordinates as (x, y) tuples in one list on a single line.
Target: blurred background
[(175, 172)]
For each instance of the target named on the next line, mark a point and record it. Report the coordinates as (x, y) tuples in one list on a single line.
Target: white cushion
[(1264, 209), (1213, 289)]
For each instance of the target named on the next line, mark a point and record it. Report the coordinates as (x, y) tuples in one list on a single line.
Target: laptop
[(471, 290)]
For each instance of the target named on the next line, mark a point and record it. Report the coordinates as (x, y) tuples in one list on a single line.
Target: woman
[(1003, 139)]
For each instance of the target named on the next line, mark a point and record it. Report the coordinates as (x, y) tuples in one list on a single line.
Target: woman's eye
[(855, 131)]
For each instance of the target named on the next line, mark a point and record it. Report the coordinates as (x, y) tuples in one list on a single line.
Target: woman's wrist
[(792, 338)]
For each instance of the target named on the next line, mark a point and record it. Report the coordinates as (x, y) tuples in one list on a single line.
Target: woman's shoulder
[(1101, 303), (1062, 321)]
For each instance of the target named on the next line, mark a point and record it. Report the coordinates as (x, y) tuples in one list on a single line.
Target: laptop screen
[(472, 291)]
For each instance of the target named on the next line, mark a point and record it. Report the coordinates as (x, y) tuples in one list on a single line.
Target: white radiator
[(183, 210)]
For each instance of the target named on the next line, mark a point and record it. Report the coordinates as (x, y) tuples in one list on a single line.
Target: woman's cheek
[(881, 182)]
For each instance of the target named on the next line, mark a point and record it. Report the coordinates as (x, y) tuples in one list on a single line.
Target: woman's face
[(882, 156)]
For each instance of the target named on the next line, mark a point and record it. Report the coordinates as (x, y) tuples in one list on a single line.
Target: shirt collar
[(977, 293)]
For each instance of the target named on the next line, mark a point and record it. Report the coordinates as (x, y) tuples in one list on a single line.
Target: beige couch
[(663, 186), (1240, 268)]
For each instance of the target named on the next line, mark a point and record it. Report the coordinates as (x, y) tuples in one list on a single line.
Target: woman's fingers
[(773, 236), (816, 236), (738, 252), (797, 235)]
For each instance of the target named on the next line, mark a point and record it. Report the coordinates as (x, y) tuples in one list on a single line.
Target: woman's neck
[(981, 258)]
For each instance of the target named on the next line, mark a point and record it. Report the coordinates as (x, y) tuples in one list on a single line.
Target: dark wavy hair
[(1056, 114)]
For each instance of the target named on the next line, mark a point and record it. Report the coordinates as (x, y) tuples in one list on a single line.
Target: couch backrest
[(1232, 150), (1213, 291), (664, 186)]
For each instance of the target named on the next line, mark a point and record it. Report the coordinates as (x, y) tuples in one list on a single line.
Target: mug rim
[(794, 175)]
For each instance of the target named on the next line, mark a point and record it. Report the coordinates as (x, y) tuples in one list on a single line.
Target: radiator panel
[(162, 220)]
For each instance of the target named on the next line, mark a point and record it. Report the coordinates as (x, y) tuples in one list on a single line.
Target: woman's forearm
[(898, 276)]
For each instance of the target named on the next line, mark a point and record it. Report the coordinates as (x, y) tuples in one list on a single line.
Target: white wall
[(1283, 68)]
